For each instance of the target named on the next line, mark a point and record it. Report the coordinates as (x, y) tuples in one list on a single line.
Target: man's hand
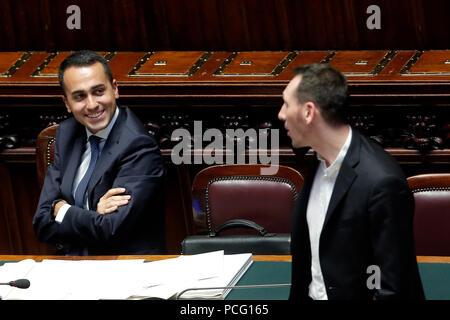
[(111, 201), (58, 205)]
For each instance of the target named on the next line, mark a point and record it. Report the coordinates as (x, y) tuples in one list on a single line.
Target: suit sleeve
[(139, 169), (391, 209), (44, 225)]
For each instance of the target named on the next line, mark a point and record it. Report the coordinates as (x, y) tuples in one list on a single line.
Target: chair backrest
[(45, 151), (432, 213), (225, 192)]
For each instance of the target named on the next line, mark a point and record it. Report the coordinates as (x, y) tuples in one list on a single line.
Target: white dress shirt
[(85, 159), (319, 198)]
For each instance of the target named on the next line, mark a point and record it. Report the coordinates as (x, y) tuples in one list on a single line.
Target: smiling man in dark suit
[(103, 194), (353, 219)]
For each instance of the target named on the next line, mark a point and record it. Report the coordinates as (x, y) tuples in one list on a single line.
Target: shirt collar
[(104, 133), (336, 165)]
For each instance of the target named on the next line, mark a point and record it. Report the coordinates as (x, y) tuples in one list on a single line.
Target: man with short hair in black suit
[(352, 232)]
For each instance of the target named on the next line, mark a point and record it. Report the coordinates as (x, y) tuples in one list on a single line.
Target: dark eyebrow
[(98, 86), (101, 85)]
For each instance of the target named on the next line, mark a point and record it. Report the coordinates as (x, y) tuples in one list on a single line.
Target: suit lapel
[(343, 183), (345, 177), (109, 153)]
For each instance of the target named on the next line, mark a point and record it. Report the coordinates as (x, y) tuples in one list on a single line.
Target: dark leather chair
[(432, 213), (45, 150), (225, 193)]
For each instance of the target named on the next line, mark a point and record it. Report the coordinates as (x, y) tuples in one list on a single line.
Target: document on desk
[(124, 279), (198, 271), (72, 280)]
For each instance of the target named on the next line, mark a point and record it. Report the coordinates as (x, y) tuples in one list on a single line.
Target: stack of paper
[(197, 271), (125, 279)]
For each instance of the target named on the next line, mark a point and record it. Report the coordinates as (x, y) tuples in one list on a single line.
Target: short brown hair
[(326, 87)]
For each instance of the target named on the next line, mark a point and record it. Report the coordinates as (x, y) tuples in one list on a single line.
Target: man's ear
[(67, 104), (309, 112), (115, 88)]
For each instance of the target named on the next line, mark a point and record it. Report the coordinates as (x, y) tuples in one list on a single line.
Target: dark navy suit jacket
[(130, 159), (369, 221)]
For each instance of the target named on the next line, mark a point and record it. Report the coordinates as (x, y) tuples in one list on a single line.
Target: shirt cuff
[(62, 212)]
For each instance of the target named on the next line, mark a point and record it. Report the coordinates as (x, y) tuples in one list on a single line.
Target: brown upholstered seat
[(45, 150), (225, 192), (432, 213)]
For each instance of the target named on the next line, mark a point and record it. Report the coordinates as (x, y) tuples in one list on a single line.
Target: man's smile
[(95, 115)]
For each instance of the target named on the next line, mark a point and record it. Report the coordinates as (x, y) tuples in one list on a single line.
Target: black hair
[(80, 59), (326, 87)]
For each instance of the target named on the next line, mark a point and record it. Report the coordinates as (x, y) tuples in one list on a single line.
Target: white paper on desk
[(202, 266), (228, 269), (182, 269), (122, 279), (164, 278), (96, 279), (235, 265), (85, 279)]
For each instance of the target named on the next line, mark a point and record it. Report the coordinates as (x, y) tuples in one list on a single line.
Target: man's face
[(294, 114), (90, 97)]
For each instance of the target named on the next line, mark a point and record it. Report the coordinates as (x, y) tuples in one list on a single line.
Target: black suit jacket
[(130, 159), (369, 221)]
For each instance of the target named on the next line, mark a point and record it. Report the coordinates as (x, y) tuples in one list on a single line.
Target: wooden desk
[(127, 257), (420, 259), (277, 269)]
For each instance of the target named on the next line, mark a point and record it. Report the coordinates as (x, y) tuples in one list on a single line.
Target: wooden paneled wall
[(398, 97), (399, 85), (231, 25)]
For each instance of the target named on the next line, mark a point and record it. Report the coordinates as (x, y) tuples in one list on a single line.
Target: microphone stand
[(250, 286)]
